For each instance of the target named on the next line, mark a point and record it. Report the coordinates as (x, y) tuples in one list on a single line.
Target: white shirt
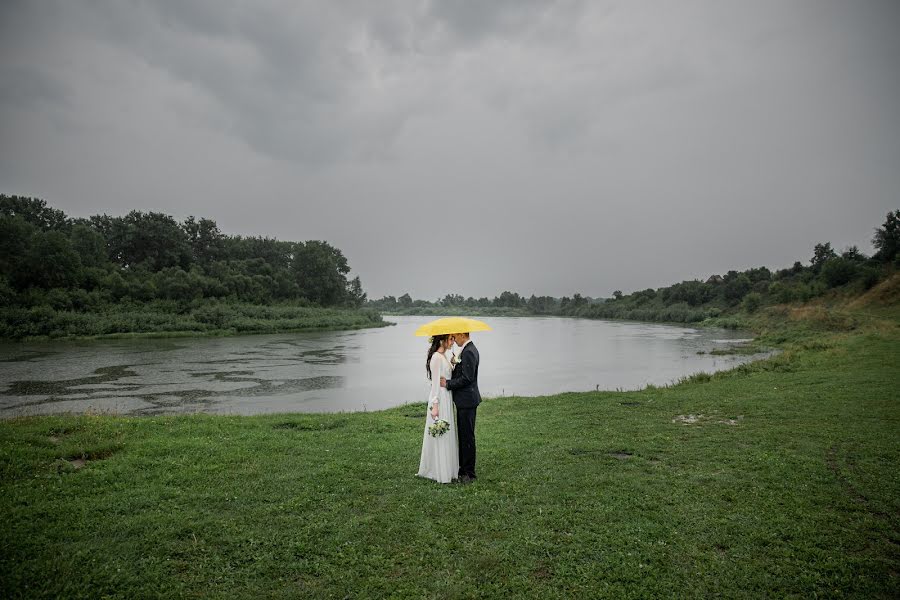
[(463, 347)]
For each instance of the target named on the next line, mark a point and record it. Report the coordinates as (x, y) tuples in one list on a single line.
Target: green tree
[(453, 300), (508, 299), (206, 241), (839, 271), (887, 238), (321, 271), (15, 238), (853, 253), (821, 253), (736, 288), (152, 239), (752, 302), (89, 244), (50, 261), (356, 297), (34, 211)]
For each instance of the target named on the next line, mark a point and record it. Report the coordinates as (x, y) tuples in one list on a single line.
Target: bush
[(839, 271), (752, 302), (59, 299), (216, 315)]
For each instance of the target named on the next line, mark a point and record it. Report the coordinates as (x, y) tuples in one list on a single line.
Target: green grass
[(174, 319), (777, 479)]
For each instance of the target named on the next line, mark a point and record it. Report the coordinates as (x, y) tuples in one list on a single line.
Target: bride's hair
[(435, 344)]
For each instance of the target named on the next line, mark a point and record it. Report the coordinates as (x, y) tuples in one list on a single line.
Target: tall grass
[(167, 317)]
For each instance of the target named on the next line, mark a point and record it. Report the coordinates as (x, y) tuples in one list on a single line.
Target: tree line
[(50, 259), (696, 300)]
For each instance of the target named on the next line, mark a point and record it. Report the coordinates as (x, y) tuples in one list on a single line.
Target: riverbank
[(777, 478), (161, 319)]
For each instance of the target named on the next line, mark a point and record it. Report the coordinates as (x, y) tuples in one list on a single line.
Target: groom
[(464, 385)]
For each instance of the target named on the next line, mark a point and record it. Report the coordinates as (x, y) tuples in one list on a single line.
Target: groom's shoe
[(465, 480)]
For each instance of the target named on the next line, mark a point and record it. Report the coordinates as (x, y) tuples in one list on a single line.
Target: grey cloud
[(26, 87), (634, 143)]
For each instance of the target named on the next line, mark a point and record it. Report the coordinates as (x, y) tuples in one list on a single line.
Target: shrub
[(752, 302), (839, 271)]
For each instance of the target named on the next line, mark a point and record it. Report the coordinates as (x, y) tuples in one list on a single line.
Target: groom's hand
[(443, 382)]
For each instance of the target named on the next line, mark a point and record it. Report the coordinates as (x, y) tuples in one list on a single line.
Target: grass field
[(776, 479), (173, 319)]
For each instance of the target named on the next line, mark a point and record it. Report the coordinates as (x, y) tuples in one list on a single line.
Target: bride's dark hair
[(435, 344)]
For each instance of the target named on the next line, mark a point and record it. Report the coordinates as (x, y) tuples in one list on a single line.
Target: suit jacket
[(464, 383)]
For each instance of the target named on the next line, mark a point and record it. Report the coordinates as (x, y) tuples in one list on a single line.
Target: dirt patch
[(582, 451), (622, 455), (542, 571), (704, 419), (81, 459), (687, 419)]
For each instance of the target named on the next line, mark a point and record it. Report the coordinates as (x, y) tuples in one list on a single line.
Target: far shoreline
[(151, 335)]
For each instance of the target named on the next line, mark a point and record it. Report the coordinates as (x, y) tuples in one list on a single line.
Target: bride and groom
[(454, 398)]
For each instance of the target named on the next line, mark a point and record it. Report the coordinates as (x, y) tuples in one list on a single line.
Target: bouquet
[(439, 428)]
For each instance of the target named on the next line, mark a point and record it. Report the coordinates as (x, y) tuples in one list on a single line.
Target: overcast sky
[(469, 146)]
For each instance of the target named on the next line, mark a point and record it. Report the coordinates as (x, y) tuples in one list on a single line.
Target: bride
[(440, 455)]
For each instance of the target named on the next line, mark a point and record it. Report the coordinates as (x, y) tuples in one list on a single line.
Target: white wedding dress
[(440, 455)]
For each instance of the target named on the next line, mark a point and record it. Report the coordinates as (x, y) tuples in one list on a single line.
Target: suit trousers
[(465, 427)]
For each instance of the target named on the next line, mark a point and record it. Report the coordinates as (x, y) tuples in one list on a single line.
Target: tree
[(752, 302), (278, 254), (617, 294), (839, 271), (405, 300), (356, 297), (508, 299), (758, 274), (320, 271), (737, 288), (15, 238), (34, 211), (887, 238), (153, 239), (821, 253), (50, 261), (206, 241), (693, 292), (89, 245), (453, 300), (853, 253)]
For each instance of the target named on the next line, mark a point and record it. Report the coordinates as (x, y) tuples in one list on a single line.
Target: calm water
[(343, 371)]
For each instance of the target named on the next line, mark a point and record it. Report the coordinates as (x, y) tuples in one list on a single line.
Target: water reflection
[(343, 371)]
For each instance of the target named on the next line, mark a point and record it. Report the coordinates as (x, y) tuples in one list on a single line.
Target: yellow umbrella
[(452, 325)]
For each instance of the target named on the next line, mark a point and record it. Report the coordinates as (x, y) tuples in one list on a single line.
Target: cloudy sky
[(469, 146)]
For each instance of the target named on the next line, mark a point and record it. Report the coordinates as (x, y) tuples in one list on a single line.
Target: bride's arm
[(435, 385)]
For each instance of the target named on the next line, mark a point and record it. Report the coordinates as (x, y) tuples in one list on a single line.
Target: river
[(362, 370)]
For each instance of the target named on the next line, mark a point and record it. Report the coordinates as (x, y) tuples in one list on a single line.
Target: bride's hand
[(434, 412)]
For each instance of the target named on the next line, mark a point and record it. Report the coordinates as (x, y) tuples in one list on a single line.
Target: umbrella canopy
[(452, 325)]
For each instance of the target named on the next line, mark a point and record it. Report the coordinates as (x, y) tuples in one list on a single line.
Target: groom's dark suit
[(466, 397)]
